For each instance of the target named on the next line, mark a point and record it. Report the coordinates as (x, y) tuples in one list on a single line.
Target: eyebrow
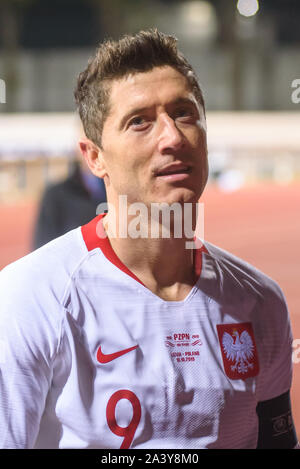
[(140, 110)]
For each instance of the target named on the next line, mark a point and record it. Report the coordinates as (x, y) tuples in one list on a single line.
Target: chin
[(181, 197)]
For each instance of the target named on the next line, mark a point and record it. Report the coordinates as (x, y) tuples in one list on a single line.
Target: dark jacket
[(64, 206)]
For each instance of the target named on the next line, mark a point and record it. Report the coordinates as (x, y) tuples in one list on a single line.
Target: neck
[(163, 263)]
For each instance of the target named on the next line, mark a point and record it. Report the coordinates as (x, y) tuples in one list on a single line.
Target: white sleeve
[(277, 346), (29, 338)]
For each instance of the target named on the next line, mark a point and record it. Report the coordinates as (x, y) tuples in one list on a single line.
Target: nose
[(170, 137)]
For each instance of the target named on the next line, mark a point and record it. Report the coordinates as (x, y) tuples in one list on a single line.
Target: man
[(117, 334)]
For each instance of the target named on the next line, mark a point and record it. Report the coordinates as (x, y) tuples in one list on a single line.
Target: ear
[(93, 157)]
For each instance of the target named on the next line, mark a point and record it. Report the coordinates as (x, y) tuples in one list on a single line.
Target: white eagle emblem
[(239, 349)]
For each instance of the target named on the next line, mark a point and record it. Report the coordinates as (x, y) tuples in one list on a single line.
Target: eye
[(138, 123), (184, 114)]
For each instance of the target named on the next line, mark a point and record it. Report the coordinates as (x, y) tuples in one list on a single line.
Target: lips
[(174, 168)]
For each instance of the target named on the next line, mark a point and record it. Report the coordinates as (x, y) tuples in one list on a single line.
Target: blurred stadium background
[(247, 56)]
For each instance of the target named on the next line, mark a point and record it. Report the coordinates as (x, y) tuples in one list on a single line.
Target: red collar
[(94, 236)]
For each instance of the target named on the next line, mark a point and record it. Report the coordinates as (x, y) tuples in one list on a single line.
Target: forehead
[(160, 85)]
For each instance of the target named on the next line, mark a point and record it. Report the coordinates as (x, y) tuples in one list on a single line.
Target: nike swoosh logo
[(106, 358)]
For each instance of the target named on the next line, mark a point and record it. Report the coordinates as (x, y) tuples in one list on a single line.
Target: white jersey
[(91, 358)]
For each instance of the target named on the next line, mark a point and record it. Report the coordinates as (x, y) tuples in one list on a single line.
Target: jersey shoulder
[(47, 269), (240, 271), (238, 279)]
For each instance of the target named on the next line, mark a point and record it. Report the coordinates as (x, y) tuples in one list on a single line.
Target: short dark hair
[(117, 59)]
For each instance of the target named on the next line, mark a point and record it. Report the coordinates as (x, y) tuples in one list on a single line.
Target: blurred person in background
[(68, 203)]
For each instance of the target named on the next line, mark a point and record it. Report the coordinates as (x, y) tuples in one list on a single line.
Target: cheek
[(125, 173), (200, 147), (128, 165), (199, 140)]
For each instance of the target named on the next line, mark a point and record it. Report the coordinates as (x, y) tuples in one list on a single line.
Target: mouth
[(173, 170)]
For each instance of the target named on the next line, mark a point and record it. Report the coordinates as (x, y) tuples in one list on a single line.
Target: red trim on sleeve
[(94, 236)]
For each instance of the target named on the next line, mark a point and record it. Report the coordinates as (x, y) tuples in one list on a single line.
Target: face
[(154, 140)]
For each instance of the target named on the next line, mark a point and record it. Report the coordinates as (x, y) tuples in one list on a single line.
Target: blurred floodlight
[(248, 7), (198, 19)]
